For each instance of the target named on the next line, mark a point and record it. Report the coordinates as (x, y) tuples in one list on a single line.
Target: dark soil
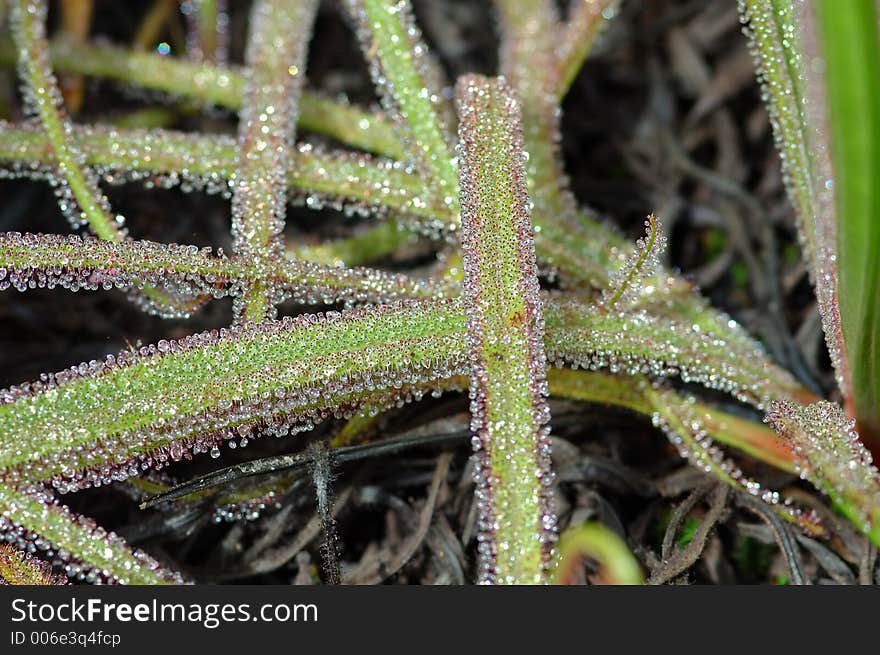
[(665, 117)]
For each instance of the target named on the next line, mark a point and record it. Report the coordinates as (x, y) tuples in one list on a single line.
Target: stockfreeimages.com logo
[(208, 615)]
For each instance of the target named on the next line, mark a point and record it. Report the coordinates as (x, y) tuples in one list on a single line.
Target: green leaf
[(99, 421), (529, 33), (275, 69), (80, 198), (407, 82), (18, 567), (355, 181), (585, 21), (851, 48), (829, 454), (34, 520), (222, 86), (505, 330), (638, 394), (76, 419), (72, 262), (644, 343), (374, 242), (626, 285), (781, 35), (208, 40), (693, 428)]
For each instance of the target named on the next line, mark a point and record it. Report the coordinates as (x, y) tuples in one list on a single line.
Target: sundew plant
[(347, 350)]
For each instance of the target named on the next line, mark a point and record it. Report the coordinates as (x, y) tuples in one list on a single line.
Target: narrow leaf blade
[(505, 330), (100, 421), (783, 40), (829, 453), (48, 260), (403, 71), (33, 519), (851, 48), (275, 59)]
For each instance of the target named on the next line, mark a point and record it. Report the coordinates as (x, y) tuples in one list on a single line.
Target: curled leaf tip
[(625, 285)]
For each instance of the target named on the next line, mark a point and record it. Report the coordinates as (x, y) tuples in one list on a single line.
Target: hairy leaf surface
[(509, 413), (100, 421), (33, 519)]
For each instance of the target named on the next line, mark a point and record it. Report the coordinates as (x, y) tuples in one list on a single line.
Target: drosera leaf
[(584, 22), (673, 299), (72, 262), (151, 26), (509, 412), (679, 418), (343, 180), (819, 67), (617, 564), (850, 46), (356, 182), (625, 286), (48, 428), (777, 48), (637, 394), (103, 421), (353, 180), (18, 567), (270, 365), (360, 183), (80, 197), (829, 454), (693, 428), (275, 62), (641, 342), (32, 520), (529, 39), (583, 250), (370, 244), (207, 38), (403, 71), (222, 86), (784, 45), (76, 22)]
